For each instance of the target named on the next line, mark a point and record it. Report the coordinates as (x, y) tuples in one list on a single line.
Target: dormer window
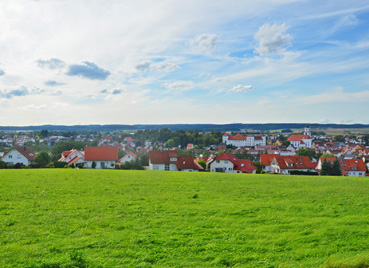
[(173, 159)]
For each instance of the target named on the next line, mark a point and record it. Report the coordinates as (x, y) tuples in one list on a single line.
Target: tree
[(259, 166), (202, 163), (325, 167), (336, 168), (327, 155), (93, 165), (339, 138), (44, 133), (42, 159)]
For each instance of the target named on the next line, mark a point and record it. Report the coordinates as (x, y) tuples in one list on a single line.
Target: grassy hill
[(99, 218)]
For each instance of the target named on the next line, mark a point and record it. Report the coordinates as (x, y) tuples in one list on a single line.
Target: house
[(240, 141), (228, 163), (130, 141), (349, 167), (190, 146), (171, 161), (301, 141), (128, 158), (103, 157), (285, 164), (266, 161), (22, 155), (72, 157)]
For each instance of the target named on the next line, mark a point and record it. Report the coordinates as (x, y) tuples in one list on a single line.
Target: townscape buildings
[(237, 153)]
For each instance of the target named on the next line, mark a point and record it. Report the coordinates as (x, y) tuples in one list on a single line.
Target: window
[(173, 159), (10, 156), (167, 167), (225, 162), (217, 161), (230, 168)]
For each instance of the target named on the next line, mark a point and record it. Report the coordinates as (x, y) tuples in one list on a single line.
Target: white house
[(302, 141), (228, 163), (72, 157), (104, 157), (171, 161), (128, 158), (240, 141), (21, 155), (285, 164)]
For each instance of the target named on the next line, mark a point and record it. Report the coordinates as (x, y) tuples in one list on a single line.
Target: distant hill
[(185, 127)]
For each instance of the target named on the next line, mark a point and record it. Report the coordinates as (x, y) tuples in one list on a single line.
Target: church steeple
[(307, 131)]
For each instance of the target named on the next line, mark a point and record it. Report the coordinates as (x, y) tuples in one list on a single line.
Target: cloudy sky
[(173, 61)]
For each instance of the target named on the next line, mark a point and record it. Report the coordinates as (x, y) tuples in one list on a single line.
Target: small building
[(128, 158), (228, 163), (104, 157), (171, 161), (22, 155), (286, 164), (72, 157), (349, 167)]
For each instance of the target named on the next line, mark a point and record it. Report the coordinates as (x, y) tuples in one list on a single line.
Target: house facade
[(349, 167), (22, 155), (241, 141), (72, 157), (286, 164), (228, 163), (104, 157), (171, 161), (128, 158)]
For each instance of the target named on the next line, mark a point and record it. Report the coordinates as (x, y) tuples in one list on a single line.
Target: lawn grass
[(110, 218)]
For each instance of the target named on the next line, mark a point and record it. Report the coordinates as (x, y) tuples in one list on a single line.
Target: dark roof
[(162, 157), (187, 162), (26, 152)]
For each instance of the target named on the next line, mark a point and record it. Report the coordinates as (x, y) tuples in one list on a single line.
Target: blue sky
[(132, 62)]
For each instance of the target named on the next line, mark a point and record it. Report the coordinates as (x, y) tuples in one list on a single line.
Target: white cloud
[(272, 39), (334, 96), (33, 107), (204, 41), (166, 67), (241, 88), (180, 85)]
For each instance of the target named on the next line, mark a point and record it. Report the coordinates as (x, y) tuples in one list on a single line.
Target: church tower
[(307, 131)]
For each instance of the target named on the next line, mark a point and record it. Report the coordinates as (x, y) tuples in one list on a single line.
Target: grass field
[(98, 218)]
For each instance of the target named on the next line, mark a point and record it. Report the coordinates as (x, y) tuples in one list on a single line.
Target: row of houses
[(105, 157)]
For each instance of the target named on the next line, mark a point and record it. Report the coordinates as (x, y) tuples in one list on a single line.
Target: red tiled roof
[(74, 160), (353, 165), (245, 166), (266, 159), (187, 162), (238, 137), (238, 164), (298, 137), (128, 139), (26, 152), (134, 155), (298, 162), (101, 153), (162, 157)]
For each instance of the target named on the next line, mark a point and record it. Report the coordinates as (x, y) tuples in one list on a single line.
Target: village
[(300, 154)]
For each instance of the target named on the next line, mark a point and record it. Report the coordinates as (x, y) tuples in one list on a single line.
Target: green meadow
[(53, 218)]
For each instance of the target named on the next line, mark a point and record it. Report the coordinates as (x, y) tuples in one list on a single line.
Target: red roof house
[(104, 157)]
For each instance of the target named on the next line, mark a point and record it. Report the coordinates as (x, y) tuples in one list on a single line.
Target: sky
[(172, 61)]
